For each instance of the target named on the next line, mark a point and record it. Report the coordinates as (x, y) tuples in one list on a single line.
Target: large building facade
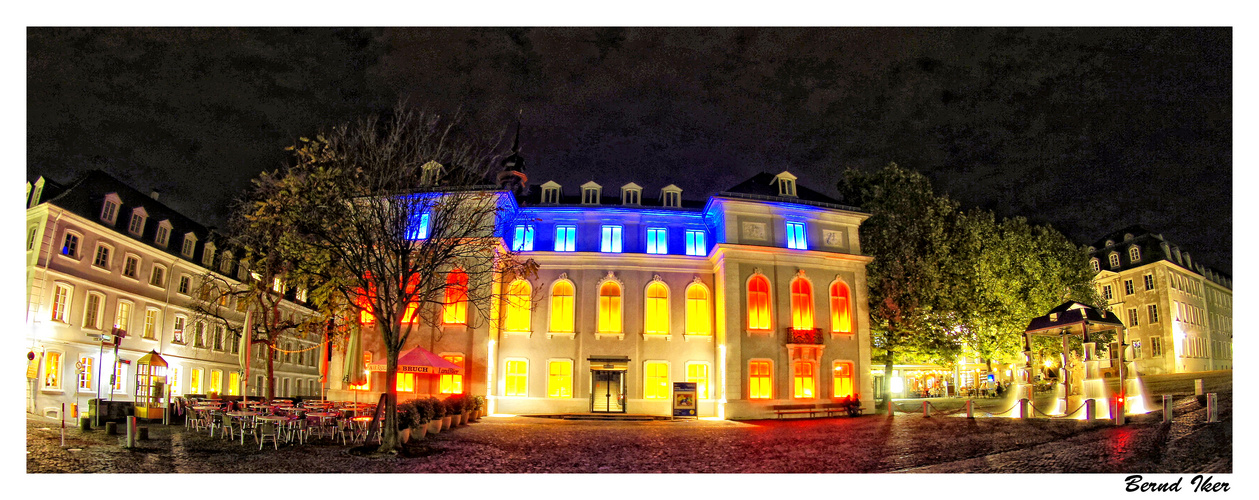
[(1178, 313), (757, 295), (101, 256)]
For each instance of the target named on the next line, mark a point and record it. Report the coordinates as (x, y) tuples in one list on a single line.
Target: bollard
[(111, 428), (131, 432), (1090, 409), (926, 409), (1199, 390), (1116, 411), (1213, 408), (63, 425), (970, 408), (1167, 408), (144, 434), (890, 411), (85, 423)]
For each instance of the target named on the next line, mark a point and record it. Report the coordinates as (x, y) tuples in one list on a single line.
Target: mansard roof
[(763, 184)]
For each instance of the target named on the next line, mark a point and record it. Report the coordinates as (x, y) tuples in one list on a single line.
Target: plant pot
[(467, 417), (419, 432), (404, 435), (446, 423), (456, 420), (434, 426)]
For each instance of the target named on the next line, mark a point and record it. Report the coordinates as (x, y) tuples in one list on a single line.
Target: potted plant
[(404, 421), (444, 410), (434, 411), (454, 409), (478, 407), (467, 404)]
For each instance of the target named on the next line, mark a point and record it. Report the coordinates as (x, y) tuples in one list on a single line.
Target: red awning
[(419, 360)]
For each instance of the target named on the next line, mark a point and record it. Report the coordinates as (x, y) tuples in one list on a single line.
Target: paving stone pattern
[(872, 443)]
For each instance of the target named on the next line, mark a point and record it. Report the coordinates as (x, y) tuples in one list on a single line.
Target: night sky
[(1089, 130)]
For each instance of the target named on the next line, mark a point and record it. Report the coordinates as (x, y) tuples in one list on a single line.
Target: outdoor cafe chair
[(268, 430)]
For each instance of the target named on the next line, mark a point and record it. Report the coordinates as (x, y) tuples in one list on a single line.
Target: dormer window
[(671, 196), (1188, 261), (430, 173), (1097, 266), (190, 242), (550, 192), (590, 193), (109, 211), (1134, 253), (1114, 260), (138, 216), (39, 191), (631, 194), (1127, 236), (225, 265), (207, 254), (786, 184), (1110, 243), (163, 233)]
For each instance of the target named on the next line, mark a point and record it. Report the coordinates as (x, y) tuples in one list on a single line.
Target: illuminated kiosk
[(150, 386), (1066, 320)]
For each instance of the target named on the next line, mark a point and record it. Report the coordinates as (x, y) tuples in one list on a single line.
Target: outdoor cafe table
[(241, 415), (281, 421)]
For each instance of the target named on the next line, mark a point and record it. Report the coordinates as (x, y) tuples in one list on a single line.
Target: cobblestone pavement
[(872, 443)]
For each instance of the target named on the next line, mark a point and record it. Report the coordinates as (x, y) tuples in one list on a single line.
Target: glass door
[(608, 391)]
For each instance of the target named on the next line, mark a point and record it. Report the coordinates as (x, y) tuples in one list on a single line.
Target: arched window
[(801, 304), (657, 308), (758, 303), (364, 303), (518, 294), (610, 307), (455, 307), (1114, 259), (562, 297), (697, 310), (841, 308), (1134, 253), (1097, 266)]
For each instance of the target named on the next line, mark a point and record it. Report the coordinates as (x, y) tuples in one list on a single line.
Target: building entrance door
[(607, 393)]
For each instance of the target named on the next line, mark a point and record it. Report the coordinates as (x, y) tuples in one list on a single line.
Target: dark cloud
[(1088, 129)]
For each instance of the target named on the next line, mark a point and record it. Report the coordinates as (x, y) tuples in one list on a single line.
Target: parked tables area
[(278, 421)]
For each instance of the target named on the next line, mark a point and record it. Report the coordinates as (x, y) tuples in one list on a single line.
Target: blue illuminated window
[(611, 241), (795, 236), (564, 238), (419, 227), (695, 243), (657, 240), (524, 239)]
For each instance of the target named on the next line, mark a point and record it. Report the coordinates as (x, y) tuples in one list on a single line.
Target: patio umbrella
[(419, 360), (354, 360)]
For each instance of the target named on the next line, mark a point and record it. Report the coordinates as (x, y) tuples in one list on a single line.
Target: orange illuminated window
[(841, 314), (455, 307), (758, 303), (518, 293), (610, 308), (367, 381), (657, 308), (366, 315), (517, 378), (697, 310), (452, 383), (759, 386), (843, 379), (562, 295), (802, 379), (406, 382), (656, 380), (801, 304), (411, 313), (559, 380)]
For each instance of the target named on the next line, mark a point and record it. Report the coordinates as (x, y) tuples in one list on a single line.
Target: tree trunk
[(270, 375), (389, 429), (887, 377)]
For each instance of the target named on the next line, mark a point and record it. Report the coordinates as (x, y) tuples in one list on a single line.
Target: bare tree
[(401, 214)]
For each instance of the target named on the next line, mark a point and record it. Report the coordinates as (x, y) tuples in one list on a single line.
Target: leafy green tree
[(909, 234)]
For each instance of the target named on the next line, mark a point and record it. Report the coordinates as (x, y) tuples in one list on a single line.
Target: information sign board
[(685, 402)]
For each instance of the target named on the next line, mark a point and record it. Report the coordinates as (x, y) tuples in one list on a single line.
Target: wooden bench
[(840, 407), (793, 410)]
